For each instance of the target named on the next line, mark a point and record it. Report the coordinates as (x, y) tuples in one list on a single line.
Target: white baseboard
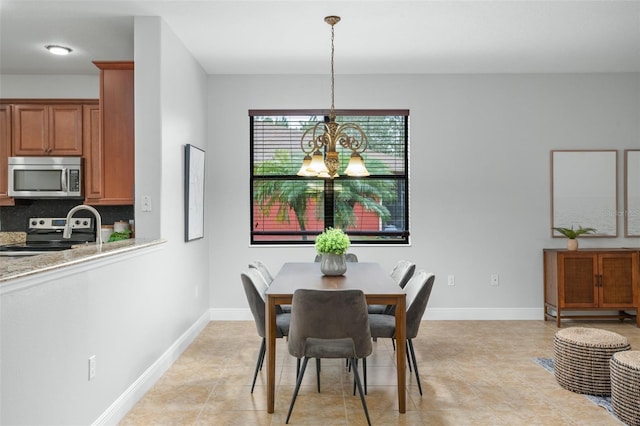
[(486, 314), (136, 391)]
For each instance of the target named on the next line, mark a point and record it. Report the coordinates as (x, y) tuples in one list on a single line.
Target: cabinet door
[(577, 274), (117, 133), (93, 158), (5, 153), (47, 129), (65, 130), (30, 130), (617, 273)]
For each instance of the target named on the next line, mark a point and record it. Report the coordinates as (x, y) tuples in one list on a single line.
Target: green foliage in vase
[(333, 241), (574, 233)]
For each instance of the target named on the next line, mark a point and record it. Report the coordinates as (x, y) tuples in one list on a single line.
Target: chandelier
[(327, 135)]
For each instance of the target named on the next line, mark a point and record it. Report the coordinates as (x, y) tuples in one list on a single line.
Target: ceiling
[(374, 37)]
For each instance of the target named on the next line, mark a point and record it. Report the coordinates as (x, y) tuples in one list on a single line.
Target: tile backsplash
[(15, 218)]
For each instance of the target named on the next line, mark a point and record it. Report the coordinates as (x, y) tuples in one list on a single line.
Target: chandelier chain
[(325, 135), (332, 78)]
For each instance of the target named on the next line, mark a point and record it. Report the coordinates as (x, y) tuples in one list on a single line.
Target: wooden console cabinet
[(581, 283)]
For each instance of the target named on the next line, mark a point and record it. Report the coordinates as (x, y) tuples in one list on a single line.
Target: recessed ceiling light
[(58, 50)]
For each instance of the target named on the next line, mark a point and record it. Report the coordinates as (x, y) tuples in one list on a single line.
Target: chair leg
[(354, 379), (408, 357), (298, 382), (415, 364), (318, 373), (297, 368), (364, 403), (364, 373), (393, 343), (364, 366), (259, 362)]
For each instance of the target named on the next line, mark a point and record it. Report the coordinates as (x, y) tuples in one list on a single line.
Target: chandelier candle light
[(327, 135)]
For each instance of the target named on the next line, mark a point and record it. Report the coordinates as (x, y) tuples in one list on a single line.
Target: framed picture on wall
[(193, 193), (584, 191)]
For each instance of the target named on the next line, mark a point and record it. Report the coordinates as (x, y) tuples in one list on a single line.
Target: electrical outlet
[(92, 367), (495, 279), (451, 280), (146, 203)]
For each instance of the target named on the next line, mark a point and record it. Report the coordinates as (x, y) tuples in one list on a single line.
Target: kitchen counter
[(18, 267)]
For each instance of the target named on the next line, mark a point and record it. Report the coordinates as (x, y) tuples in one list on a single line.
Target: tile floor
[(472, 373)]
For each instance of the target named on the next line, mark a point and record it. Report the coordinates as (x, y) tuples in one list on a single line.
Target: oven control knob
[(41, 222), (77, 221), (85, 223), (34, 222)]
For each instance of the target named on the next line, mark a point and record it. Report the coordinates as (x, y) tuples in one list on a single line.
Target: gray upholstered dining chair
[(329, 324), (254, 288), (349, 257), (401, 273), (268, 279), (418, 290), (262, 268)]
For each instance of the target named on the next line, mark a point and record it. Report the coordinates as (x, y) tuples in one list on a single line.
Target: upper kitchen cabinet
[(47, 129), (109, 154), (5, 153)]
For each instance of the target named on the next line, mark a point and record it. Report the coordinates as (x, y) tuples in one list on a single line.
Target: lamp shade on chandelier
[(320, 141)]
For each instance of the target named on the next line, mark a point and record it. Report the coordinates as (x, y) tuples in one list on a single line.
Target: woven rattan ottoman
[(625, 386), (582, 356)]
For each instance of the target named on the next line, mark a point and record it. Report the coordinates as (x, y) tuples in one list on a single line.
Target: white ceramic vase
[(572, 244), (333, 264)]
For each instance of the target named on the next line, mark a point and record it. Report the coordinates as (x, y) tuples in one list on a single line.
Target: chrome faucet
[(67, 226)]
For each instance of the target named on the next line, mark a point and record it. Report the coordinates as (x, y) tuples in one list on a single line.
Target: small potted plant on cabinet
[(573, 234), (332, 244)]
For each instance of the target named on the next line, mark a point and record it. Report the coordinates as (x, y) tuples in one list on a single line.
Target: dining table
[(379, 289)]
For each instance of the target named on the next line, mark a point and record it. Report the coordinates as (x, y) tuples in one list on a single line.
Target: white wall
[(480, 178), (50, 86), (135, 315)]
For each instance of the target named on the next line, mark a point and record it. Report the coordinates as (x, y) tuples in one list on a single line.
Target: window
[(289, 209)]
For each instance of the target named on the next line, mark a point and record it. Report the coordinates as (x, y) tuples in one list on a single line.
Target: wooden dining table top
[(371, 278)]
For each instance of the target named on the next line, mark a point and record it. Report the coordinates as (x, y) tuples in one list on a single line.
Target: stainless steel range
[(44, 234)]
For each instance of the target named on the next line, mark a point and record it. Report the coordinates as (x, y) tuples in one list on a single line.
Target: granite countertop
[(12, 238), (18, 267)]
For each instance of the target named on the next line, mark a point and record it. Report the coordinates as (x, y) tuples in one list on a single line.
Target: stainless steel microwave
[(45, 177)]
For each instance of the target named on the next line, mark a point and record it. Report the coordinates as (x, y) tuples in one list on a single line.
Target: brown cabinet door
[(30, 130), (117, 134), (577, 275), (40, 129), (92, 153), (616, 274), (65, 130), (5, 153)]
